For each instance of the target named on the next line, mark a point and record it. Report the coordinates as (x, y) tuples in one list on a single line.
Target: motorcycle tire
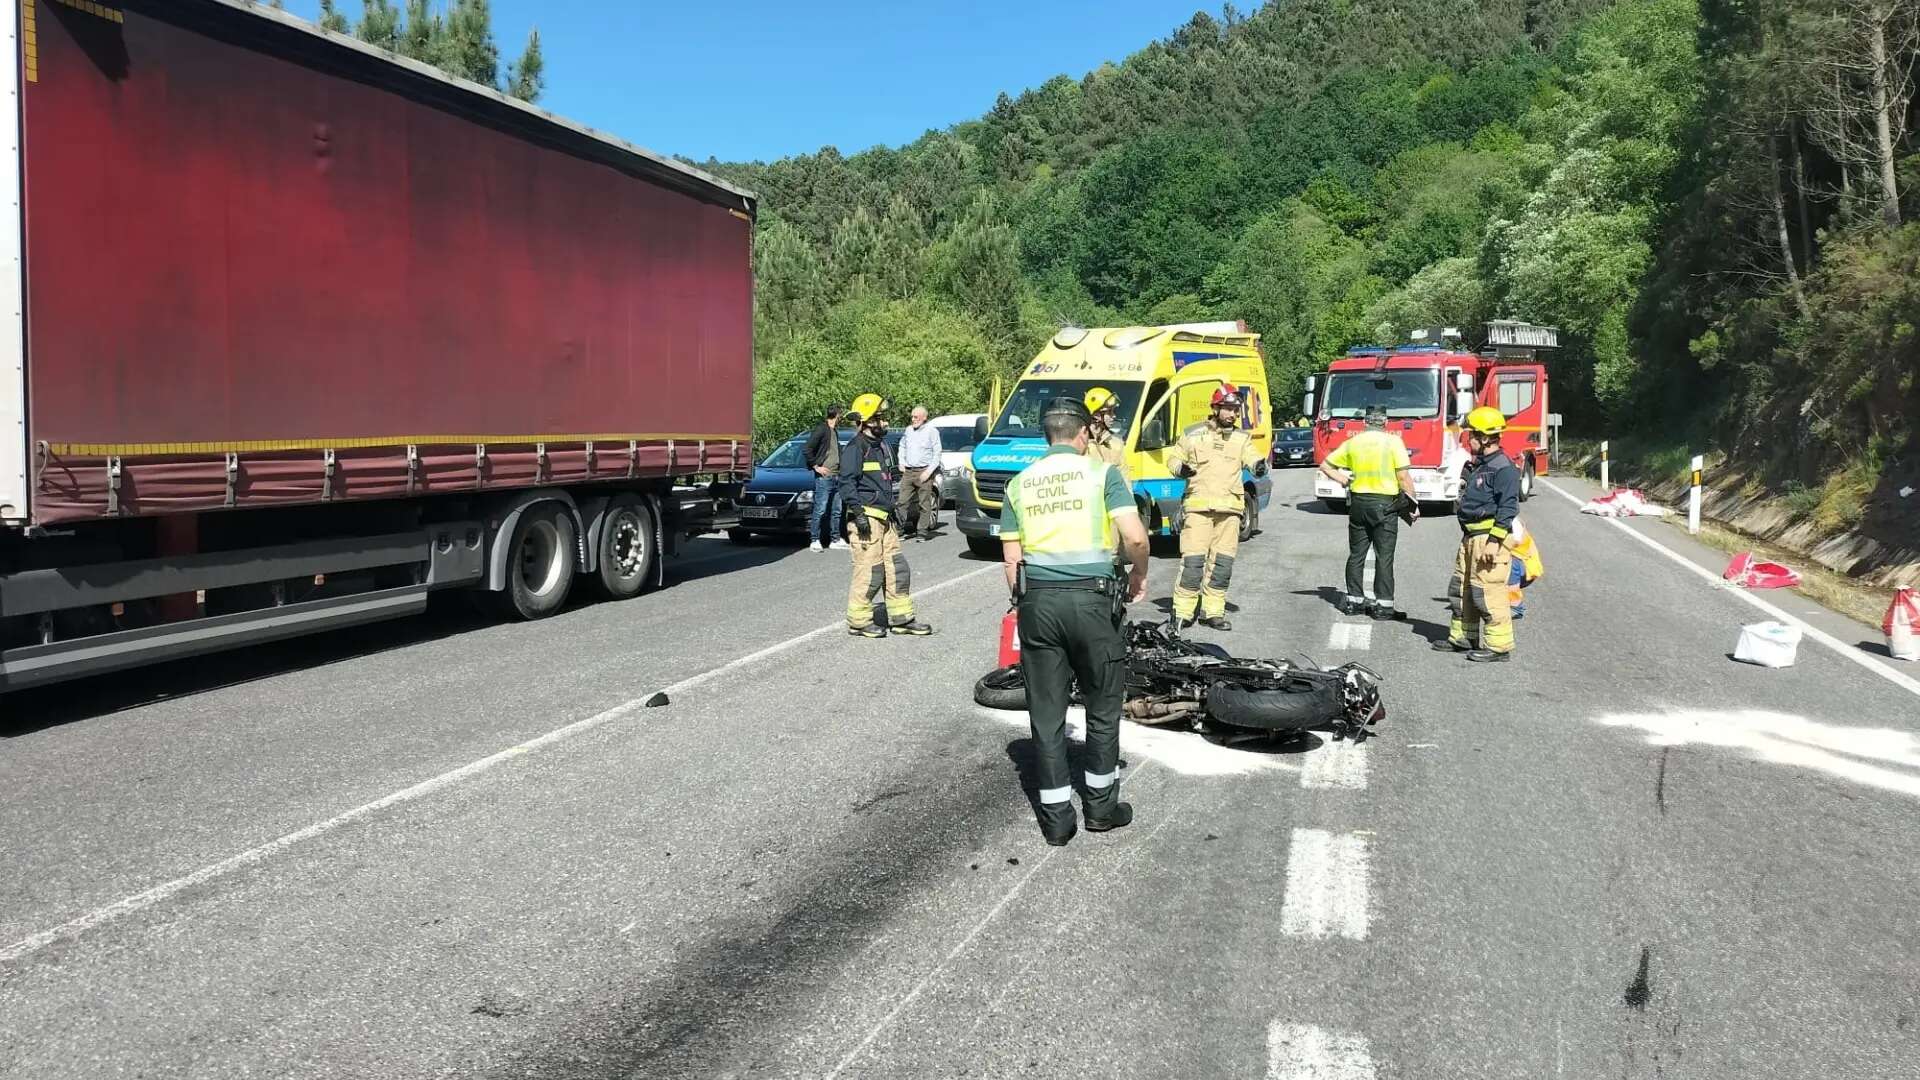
[(1298, 705), (1002, 688)]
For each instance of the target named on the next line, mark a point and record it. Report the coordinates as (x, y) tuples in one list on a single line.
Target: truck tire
[(1250, 518), (1002, 688), (1295, 707), (627, 554), (1526, 480), (987, 547), (540, 563)]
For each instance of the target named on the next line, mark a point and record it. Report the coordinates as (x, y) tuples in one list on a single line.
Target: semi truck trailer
[(295, 332)]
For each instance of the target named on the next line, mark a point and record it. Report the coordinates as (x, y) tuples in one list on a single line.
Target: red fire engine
[(1428, 386)]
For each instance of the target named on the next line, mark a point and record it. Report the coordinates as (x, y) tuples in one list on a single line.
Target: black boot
[(1351, 606), (1488, 656), (1057, 823), (1450, 645), (1216, 622), (1105, 811)]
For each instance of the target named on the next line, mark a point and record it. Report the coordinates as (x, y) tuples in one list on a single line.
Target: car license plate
[(759, 512), (993, 530)]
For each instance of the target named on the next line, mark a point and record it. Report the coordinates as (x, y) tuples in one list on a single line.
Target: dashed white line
[(1327, 886), (1341, 765), (1905, 682), (1307, 1052), (1350, 636), (253, 856)]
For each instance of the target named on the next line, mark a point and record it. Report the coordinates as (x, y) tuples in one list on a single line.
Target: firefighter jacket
[(1110, 448), (866, 477), (1216, 458), (1489, 496)]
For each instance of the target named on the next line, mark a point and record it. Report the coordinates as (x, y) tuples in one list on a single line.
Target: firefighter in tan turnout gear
[(866, 489), (1103, 442), (1211, 457), (1489, 503)]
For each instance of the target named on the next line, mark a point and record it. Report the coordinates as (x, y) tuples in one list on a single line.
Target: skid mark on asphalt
[(1784, 739), (1341, 765), (1327, 886), (1184, 752), (1307, 1052)]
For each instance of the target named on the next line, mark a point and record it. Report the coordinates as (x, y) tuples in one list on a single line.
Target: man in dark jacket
[(822, 454), (866, 489), (1489, 502)]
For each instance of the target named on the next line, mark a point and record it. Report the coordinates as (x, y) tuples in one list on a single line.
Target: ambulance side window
[(1153, 430)]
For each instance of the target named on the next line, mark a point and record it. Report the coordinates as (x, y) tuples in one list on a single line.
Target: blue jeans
[(826, 505)]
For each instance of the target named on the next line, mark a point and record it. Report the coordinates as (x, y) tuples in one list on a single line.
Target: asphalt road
[(449, 848)]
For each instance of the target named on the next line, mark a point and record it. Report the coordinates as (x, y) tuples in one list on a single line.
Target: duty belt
[(1105, 586)]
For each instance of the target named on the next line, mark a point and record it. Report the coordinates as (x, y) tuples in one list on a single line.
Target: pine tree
[(789, 283), (331, 18), (379, 24), (851, 261), (900, 249), (526, 77), (464, 42)]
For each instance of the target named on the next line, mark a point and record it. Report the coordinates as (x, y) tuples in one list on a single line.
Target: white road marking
[(256, 855), (1184, 752), (1350, 636), (1327, 887), (1905, 682), (1306, 1052), (1341, 765), (1791, 740)]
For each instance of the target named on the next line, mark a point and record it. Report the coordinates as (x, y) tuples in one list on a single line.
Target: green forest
[(1708, 197)]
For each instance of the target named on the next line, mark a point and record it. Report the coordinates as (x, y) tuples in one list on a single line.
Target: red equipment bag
[(1902, 625), (1750, 573), (1010, 639)]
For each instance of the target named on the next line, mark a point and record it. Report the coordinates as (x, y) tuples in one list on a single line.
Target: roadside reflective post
[(1606, 482), (1693, 497)]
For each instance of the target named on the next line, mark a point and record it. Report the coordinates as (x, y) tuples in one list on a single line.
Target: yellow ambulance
[(1163, 377)]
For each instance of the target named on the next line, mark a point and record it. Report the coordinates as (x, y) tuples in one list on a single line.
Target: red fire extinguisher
[(1010, 639)]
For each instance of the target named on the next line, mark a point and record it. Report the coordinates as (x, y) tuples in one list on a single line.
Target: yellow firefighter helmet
[(1486, 420)]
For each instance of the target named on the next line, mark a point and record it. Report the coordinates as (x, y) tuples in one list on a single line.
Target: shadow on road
[(1315, 506), (448, 615)]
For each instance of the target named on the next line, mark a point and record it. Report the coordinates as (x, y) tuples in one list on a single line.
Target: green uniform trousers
[(1068, 634)]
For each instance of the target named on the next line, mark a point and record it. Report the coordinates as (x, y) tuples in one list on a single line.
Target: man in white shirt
[(920, 477)]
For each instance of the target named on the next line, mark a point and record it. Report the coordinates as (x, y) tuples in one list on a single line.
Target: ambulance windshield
[(1021, 417), (1406, 394)]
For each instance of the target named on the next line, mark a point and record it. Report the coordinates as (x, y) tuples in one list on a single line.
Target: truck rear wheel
[(627, 550), (540, 563)]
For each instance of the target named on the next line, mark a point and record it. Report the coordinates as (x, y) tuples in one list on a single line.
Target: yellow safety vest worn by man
[(1211, 457), (1058, 529), (1377, 477)]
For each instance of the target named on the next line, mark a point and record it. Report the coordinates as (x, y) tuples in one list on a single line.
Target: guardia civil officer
[(1211, 456), (1489, 502), (1103, 442), (866, 490), (1058, 528), (1376, 470)]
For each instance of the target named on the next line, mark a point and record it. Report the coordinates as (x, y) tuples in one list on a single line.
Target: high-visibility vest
[(1061, 504), (1374, 458)]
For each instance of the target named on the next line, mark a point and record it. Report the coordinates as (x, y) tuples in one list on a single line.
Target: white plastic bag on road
[(1623, 502), (1768, 644)]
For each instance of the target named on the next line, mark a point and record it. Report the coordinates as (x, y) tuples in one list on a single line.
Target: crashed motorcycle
[(1174, 681)]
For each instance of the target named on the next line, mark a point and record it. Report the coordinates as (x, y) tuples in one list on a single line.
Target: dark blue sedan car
[(1292, 446), (778, 500)]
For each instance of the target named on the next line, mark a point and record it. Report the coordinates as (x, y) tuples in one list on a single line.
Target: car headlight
[(805, 498)]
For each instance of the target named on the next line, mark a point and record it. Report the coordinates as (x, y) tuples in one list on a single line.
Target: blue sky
[(765, 78)]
